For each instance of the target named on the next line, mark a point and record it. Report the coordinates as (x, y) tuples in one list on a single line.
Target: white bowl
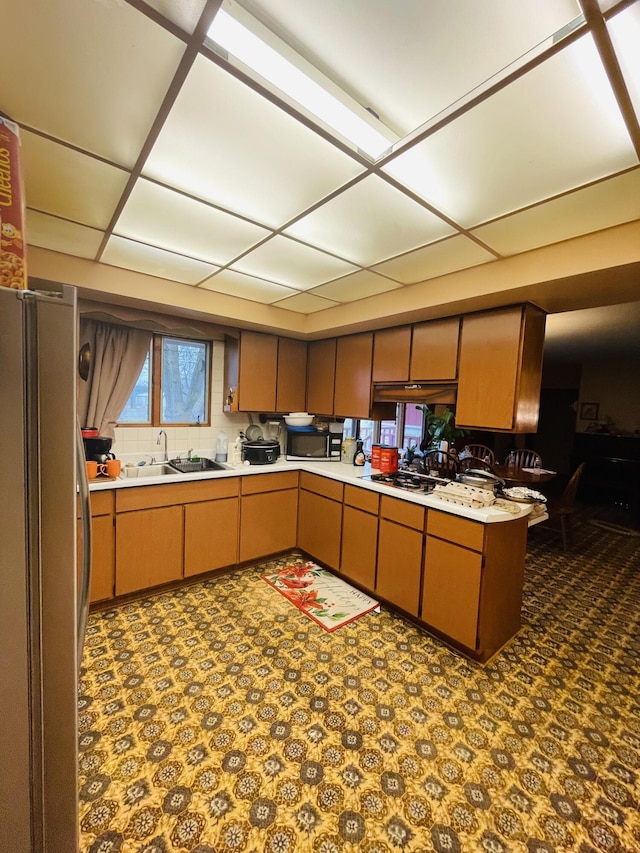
[(298, 420), (298, 415)]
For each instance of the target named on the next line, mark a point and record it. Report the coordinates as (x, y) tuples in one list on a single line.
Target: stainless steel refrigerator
[(44, 592)]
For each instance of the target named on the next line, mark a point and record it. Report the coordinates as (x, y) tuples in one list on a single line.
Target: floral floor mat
[(325, 598)]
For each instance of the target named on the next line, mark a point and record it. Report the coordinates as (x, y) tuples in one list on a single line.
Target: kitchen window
[(173, 387), (405, 430)]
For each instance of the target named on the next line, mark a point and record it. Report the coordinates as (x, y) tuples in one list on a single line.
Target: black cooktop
[(410, 481)]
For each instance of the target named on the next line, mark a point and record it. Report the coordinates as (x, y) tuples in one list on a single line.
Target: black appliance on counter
[(313, 443), (410, 481), (98, 448), (262, 451)]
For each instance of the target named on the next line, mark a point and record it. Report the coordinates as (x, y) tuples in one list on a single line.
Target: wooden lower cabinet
[(268, 523), (399, 565), (451, 590), (102, 558), (320, 527), (359, 546), (210, 535), (149, 548)]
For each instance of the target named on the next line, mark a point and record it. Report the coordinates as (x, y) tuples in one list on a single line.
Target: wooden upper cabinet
[(291, 389), (321, 372), (500, 369), (354, 364), (251, 368), (434, 350), (391, 350)]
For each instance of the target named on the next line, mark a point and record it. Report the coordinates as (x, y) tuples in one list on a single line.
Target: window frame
[(155, 384)]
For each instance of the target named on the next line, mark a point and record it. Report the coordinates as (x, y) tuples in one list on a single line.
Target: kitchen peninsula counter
[(348, 474)]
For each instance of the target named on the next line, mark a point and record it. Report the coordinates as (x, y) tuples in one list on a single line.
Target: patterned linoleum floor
[(219, 718)]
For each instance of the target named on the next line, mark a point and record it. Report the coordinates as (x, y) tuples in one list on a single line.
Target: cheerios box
[(13, 267)]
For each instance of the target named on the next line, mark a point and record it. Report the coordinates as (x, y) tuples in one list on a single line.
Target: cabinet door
[(354, 363), (267, 523), (320, 527), (399, 565), (102, 564), (451, 590), (210, 535), (149, 548), (500, 369), (434, 350), (321, 373), (391, 349), (257, 372), (291, 389), (359, 546)]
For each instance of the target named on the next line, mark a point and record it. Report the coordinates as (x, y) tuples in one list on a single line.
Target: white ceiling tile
[(550, 131), (48, 232), (625, 34), (184, 13), (246, 287), (90, 73), (410, 61), (359, 285), (287, 262), (169, 219), (226, 144), (146, 259), (602, 205), (370, 222), (79, 187), (455, 253), (306, 303)]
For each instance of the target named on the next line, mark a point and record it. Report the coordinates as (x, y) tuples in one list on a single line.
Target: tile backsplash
[(141, 441)]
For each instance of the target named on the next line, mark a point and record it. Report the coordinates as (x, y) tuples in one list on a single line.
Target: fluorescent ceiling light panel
[(242, 44)]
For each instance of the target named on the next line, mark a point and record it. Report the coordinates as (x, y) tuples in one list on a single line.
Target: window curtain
[(117, 356)]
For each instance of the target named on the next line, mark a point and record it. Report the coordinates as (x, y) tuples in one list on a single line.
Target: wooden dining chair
[(563, 507), (481, 451), (441, 464), (476, 462), (523, 459)]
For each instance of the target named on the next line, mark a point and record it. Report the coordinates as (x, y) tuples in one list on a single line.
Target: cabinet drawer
[(321, 485), (403, 512), (253, 484), (101, 503), (362, 499), (461, 531), (171, 494)]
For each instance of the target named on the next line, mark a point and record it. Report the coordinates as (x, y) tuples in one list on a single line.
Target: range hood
[(421, 394)]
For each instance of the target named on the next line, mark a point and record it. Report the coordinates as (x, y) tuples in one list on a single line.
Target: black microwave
[(313, 444)]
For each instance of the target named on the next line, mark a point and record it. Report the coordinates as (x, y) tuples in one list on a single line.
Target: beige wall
[(613, 383)]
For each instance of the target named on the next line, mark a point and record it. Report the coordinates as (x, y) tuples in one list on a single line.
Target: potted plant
[(438, 429)]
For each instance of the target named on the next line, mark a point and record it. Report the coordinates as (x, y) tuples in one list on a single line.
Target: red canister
[(375, 456), (388, 459)]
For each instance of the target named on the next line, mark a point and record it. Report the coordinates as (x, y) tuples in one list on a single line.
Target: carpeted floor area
[(220, 718)]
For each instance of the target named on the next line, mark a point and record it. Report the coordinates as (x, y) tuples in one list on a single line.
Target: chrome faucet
[(160, 434)]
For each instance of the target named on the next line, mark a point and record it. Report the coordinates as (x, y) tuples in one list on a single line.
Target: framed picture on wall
[(589, 411)]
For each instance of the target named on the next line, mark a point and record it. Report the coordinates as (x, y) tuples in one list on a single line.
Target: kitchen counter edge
[(333, 470)]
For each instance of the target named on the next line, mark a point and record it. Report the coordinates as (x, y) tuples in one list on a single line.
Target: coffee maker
[(97, 448)]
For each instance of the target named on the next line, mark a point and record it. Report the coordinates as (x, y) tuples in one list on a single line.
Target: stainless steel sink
[(153, 470), (195, 466)]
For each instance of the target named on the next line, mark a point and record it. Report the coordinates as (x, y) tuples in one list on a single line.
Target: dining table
[(513, 475)]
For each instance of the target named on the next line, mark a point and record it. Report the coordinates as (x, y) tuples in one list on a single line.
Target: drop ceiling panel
[(456, 253), (184, 13), (287, 262), (542, 135), (306, 303), (625, 34), (247, 287), (62, 236), (411, 60), (147, 259), (359, 285), (602, 205), (91, 73), (369, 222), (80, 187), (226, 144), (165, 218)]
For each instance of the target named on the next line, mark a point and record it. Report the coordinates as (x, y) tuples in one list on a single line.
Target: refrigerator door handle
[(85, 518)]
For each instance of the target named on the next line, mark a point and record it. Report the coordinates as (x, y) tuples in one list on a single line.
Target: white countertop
[(334, 470)]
